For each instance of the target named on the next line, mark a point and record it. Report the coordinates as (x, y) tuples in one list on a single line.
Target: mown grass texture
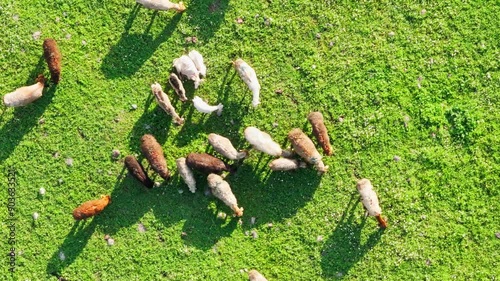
[(416, 80)]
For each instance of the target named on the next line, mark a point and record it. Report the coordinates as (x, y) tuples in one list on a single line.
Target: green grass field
[(419, 80)]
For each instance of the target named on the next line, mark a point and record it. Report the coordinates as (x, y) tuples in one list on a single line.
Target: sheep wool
[(206, 163), (304, 147), (185, 66), (221, 189), (249, 76), (186, 174), (53, 57), (262, 141), (320, 131), (91, 208), (224, 146), (151, 149), (204, 107), (162, 5), (197, 58), (286, 164), (25, 95), (370, 200), (164, 103), (254, 275), (137, 171), (176, 84)]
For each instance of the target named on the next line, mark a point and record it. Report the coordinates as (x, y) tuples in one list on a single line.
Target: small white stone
[(157, 184), (15, 17), (221, 215), (35, 215), (180, 191), (134, 106), (111, 241), (252, 220), (84, 42), (115, 153), (36, 35), (319, 238), (141, 228), (255, 235), (69, 161), (42, 191), (392, 33), (61, 255)]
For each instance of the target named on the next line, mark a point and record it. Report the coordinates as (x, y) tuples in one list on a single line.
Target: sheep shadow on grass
[(207, 16), (270, 196), (133, 49), (130, 201), (344, 248)]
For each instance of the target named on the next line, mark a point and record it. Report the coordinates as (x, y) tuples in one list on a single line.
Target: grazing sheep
[(221, 189), (370, 201), (91, 208), (207, 164), (162, 5), (185, 66), (137, 171), (176, 84), (250, 78), (263, 142), (285, 164), (320, 131), (151, 149), (164, 103), (254, 275), (197, 58), (224, 146), (204, 107), (304, 147), (186, 174), (25, 95), (52, 56)]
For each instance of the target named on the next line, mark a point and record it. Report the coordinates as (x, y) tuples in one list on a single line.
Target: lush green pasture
[(414, 81)]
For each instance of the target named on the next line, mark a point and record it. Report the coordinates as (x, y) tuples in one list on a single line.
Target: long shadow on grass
[(272, 196), (344, 249), (130, 201), (26, 117), (207, 16), (133, 49), (72, 246)]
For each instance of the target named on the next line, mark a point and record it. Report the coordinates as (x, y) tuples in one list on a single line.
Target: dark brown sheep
[(137, 171), (151, 149), (53, 58), (207, 163)]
